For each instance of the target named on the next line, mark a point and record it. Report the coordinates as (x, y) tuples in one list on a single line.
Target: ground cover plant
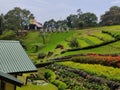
[(74, 81), (107, 60), (39, 50), (96, 69)]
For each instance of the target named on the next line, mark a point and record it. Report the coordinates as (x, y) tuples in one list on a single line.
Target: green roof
[(13, 58), (9, 78)]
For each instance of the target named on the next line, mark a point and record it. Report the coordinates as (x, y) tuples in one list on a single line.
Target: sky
[(45, 10)]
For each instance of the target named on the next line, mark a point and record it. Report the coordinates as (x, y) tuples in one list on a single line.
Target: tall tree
[(89, 19), (72, 21), (0, 26), (16, 18), (111, 17)]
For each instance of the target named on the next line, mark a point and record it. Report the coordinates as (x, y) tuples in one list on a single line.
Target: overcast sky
[(44, 10)]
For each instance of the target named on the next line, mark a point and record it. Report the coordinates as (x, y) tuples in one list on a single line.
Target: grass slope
[(83, 37), (51, 40)]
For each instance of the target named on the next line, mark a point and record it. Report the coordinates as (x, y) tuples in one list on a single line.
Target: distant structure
[(34, 25), (58, 28), (31, 24)]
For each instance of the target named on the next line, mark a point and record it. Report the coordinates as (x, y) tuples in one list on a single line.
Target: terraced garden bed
[(74, 81), (109, 73)]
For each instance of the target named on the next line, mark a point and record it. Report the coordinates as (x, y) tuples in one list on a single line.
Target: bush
[(74, 43), (41, 55), (61, 85), (59, 46), (50, 75)]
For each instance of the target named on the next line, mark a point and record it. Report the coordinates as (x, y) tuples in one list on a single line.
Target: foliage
[(107, 60), (115, 33), (8, 35), (89, 19), (41, 55), (75, 81), (74, 43), (83, 43), (49, 23), (103, 36), (76, 21), (50, 75), (59, 84), (17, 18), (111, 17), (99, 70), (110, 49), (52, 39)]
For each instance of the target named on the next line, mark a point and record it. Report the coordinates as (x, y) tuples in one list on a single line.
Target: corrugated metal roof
[(10, 79), (13, 58)]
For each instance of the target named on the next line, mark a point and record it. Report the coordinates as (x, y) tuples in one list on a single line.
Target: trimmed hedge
[(50, 75), (61, 85), (91, 47)]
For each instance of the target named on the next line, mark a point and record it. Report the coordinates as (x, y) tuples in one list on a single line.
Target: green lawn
[(53, 39), (35, 87), (113, 48)]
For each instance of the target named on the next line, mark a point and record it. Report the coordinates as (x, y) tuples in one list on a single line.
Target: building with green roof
[(13, 61)]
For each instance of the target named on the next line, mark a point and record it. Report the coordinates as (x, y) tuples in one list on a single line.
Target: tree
[(0, 26), (17, 18), (111, 17), (72, 21), (1, 23), (50, 23), (79, 11), (82, 19), (89, 19)]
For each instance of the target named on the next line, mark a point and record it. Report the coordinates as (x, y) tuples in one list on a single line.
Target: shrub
[(61, 85), (50, 75), (74, 43), (59, 46), (41, 55), (49, 54)]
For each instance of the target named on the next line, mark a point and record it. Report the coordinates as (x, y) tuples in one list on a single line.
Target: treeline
[(88, 19), (19, 18), (15, 19), (77, 21)]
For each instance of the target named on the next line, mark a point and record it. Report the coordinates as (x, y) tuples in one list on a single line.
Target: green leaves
[(99, 70)]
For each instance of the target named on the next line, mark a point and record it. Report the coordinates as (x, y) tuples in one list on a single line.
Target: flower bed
[(107, 60)]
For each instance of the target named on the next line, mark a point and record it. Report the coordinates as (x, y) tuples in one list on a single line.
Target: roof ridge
[(8, 41)]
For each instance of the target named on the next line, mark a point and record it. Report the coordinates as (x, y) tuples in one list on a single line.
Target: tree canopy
[(111, 17), (17, 18), (75, 20)]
